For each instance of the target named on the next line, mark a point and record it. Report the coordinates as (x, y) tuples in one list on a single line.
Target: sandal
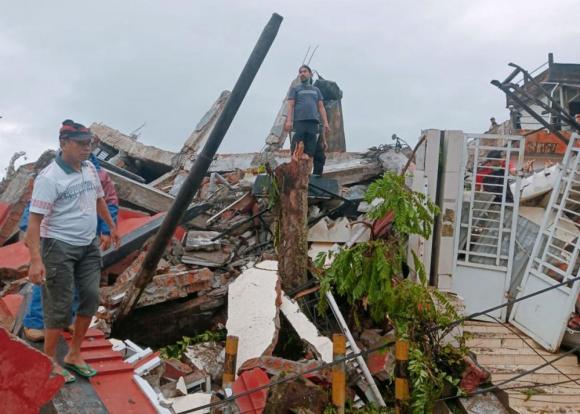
[(68, 377), (83, 370)]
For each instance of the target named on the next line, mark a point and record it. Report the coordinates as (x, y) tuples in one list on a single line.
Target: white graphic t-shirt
[(68, 201)]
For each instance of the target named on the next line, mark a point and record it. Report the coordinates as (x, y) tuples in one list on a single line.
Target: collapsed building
[(502, 234)]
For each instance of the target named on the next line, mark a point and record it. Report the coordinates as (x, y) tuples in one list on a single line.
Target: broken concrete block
[(321, 247), (299, 395), (132, 147), (174, 369), (217, 258), (141, 195), (180, 387), (202, 240), (203, 129), (381, 363), (191, 401), (393, 161), (320, 345), (208, 357), (338, 231), (473, 375), (169, 390), (253, 315)]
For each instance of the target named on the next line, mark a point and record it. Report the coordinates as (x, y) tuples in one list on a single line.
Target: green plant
[(364, 272), (413, 212), (530, 392), (178, 349), (370, 277)]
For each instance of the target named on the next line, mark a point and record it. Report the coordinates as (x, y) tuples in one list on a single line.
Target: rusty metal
[(518, 95), (201, 165), (530, 111)]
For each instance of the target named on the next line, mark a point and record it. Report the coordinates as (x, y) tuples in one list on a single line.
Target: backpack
[(329, 89)]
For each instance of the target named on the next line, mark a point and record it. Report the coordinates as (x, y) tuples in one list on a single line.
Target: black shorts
[(306, 132)]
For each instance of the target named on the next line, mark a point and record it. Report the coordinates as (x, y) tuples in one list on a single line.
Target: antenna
[(135, 134), (313, 52), (306, 55)]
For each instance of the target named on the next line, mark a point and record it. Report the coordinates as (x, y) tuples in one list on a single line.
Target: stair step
[(91, 333), (522, 359), (486, 328), (93, 343), (97, 354), (525, 350), (517, 369), (111, 366), (501, 343), (550, 403)]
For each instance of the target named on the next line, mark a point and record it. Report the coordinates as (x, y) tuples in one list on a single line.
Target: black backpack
[(329, 89)]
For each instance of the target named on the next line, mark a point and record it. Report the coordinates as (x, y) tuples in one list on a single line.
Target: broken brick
[(174, 369)]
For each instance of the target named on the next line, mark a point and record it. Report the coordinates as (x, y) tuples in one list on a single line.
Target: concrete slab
[(320, 345), (338, 231), (253, 313), (191, 401)]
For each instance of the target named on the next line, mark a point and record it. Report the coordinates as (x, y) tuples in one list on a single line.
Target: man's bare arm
[(323, 117), (289, 115), (36, 271), (103, 212)]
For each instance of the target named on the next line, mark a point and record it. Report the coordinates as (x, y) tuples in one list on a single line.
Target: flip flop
[(83, 370), (68, 377)]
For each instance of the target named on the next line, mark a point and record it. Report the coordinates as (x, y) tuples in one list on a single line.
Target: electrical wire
[(322, 366), (512, 379), (510, 328), (448, 327)]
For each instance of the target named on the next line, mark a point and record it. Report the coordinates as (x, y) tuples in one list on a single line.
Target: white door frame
[(485, 238)]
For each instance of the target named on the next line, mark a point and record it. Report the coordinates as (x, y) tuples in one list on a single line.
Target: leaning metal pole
[(200, 166)]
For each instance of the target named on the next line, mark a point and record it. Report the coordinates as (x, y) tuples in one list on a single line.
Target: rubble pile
[(220, 270)]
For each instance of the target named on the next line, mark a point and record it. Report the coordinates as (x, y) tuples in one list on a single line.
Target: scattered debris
[(246, 249)]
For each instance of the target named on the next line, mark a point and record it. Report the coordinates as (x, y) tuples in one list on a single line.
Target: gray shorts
[(69, 267)]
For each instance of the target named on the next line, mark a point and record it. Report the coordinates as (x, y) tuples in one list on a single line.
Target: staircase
[(506, 355)]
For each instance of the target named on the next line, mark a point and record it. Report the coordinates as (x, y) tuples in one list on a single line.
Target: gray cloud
[(403, 66)]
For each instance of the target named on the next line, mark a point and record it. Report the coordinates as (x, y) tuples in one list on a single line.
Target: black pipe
[(201, 164)]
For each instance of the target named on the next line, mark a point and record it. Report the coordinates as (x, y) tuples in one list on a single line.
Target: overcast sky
[(403, 66)]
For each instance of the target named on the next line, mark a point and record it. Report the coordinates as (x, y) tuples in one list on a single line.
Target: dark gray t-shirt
[(306, 99)]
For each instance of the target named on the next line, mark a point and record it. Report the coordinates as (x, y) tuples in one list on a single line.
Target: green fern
[(370, 276)]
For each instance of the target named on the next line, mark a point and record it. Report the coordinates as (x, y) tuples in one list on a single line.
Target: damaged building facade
[(219, 326)]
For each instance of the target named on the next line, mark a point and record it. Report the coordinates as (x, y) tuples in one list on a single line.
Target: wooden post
[(339, 373), (401, 376), (292, 178), (229, 375)]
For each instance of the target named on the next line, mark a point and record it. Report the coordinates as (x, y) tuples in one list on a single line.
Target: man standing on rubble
[(61, 237), (305, 111), (33, 322)]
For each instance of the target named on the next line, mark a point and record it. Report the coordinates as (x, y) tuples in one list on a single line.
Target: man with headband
[(64, 251)]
